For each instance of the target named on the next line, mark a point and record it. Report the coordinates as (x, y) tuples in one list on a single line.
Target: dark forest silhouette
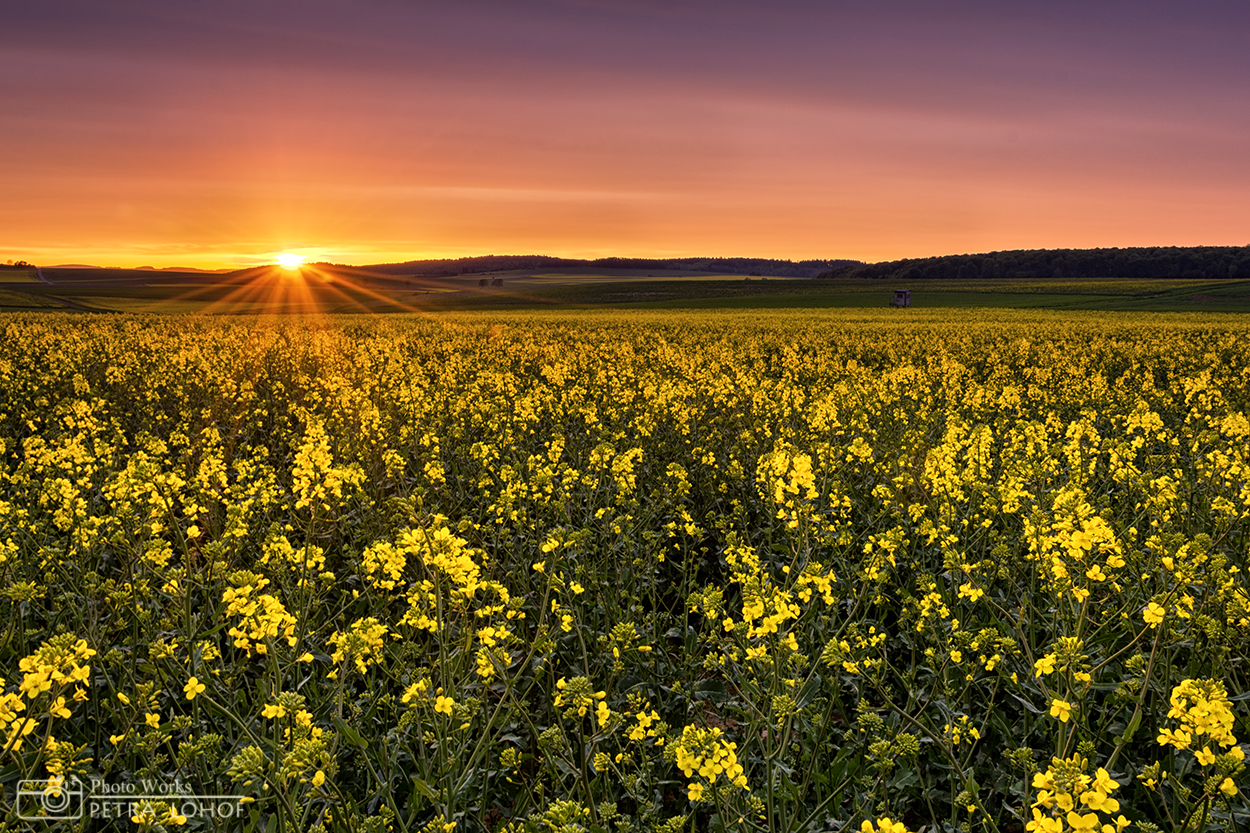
[(1209, 262)]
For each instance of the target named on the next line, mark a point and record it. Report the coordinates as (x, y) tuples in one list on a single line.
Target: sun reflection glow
[(290, 261)]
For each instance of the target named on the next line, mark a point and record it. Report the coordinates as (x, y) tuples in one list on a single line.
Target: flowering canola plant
[(785, 571)]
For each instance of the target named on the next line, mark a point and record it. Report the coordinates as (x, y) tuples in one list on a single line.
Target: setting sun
[(289, 261)]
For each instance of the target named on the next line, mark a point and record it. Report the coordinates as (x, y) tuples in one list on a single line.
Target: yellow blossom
[(193, 687)]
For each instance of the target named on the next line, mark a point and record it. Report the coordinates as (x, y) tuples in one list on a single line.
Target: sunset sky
[(216, 133)]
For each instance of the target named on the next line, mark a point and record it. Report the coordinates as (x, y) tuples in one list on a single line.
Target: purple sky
[(217, 132)]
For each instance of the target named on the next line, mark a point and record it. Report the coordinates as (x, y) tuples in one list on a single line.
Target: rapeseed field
[(787, 571)]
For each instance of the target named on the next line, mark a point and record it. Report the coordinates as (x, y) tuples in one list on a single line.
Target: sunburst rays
[(308, 289)]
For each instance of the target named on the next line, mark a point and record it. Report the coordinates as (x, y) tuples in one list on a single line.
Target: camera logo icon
[(49, 799)]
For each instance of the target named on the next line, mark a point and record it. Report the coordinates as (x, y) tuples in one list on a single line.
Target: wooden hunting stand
[(902, 298)]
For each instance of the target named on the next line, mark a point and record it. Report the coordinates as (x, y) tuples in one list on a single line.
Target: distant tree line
[(1210, 262), (727, 265), (501, 263), (450, 267)]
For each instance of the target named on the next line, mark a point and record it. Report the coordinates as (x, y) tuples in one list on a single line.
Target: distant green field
[(349, 293), (18, 276), (1163, 295), (26, 301), (634, 276), (874, 300), (93, 275)]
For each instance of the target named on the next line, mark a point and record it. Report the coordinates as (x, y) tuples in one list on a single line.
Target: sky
[(217, 133)]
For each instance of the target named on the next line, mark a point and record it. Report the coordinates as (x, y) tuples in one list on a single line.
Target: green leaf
[(353, 737), (1025, 703), (1131, 730), (425, 789)]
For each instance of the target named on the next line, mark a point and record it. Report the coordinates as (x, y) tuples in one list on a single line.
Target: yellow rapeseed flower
[(193, 687)]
